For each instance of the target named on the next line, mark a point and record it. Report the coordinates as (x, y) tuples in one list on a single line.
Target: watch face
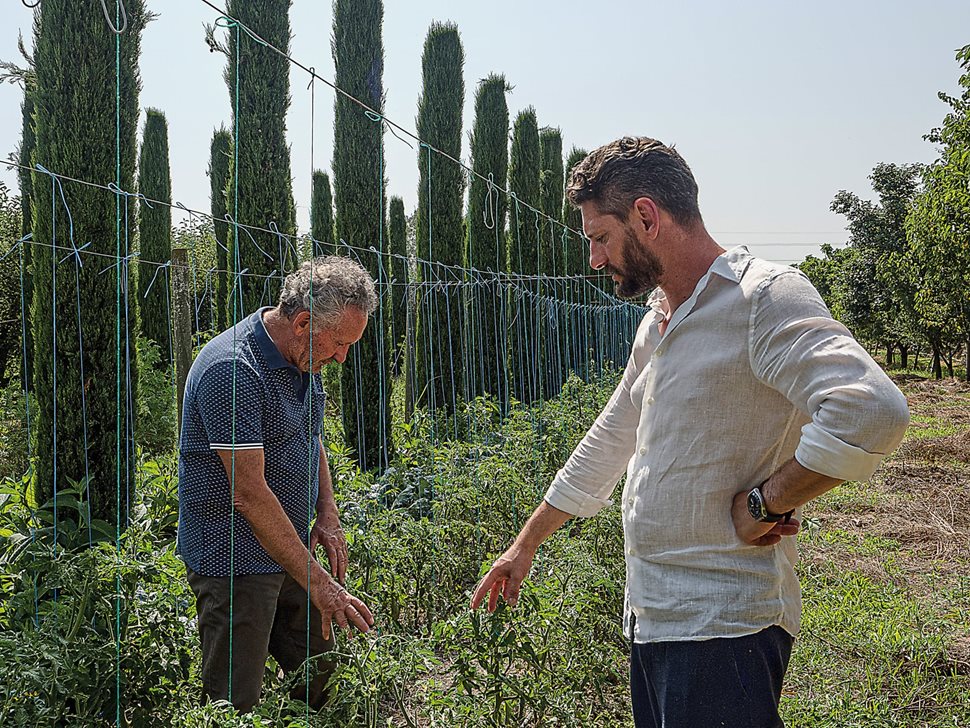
[(756, 506)]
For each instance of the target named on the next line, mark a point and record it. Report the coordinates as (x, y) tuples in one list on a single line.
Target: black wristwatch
[(758, 510)]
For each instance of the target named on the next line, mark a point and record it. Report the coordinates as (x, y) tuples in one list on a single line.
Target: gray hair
[(325, 286)]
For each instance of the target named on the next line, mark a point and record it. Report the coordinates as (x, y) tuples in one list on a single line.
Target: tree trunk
[(889, 356), (949, 362), (916, 358), (937, 366), (966, 361), (904, 357)]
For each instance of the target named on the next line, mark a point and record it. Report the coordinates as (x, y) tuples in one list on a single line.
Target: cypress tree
[(397, 268), (486, 246), (552, 327), (551, 179), (359, 187), (75, 114), (576, 258), (28, 141), (525, 343), (220, 152), (265, 193), (575, 265), (155, 235), (321, 215), (440, 232)]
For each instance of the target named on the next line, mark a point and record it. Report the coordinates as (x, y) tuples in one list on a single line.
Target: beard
[(641, 269)]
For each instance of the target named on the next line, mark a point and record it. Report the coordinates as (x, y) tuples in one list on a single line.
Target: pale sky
[(776, 105)]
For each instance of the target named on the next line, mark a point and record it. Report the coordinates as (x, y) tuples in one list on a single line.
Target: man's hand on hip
[(505, 577), (328, 533), (758, 533)]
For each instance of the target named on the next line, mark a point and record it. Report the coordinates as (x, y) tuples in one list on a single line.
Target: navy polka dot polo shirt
[(242, 394)]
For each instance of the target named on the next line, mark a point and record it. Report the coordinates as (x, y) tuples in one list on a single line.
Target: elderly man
[(253, 476), (741, 401)]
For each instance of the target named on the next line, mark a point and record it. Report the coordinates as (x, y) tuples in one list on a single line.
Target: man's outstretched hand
[(336, 604), (505, 578)]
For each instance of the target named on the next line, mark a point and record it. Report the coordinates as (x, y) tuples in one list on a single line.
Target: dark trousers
[(724, 683), (269, 616)]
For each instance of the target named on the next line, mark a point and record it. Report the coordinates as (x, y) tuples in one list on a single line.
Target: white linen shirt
[(751, 370)]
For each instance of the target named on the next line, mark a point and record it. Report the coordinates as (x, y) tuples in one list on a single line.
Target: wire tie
[(157, 269), (76, 254), (124, 17), (224, 21)]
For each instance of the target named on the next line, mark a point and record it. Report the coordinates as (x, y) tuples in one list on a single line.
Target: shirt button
[(643, 451), (629, 551), (649, 400), (658, 353)]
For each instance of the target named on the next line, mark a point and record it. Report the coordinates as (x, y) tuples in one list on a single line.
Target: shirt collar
[(730, 265), (267, 347)]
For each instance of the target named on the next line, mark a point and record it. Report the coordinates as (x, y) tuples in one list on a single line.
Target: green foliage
[(398, 274), (524, 182), (155, 424), (14, 444), (554, 344), (938, 226), (526, 377), (576, 260), (551, 182), (219, 156), (486, 248), (64, 634), (259, 90), (440, 233), (321, 215), (155, 236), (28, 140), (197, 235), (12, 294), (359, 200), (75, 114), (876, 294)]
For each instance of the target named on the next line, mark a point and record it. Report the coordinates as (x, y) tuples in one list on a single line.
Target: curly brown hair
[(618, 173)]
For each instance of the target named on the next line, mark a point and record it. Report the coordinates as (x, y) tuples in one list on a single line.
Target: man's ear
[(647, 215), (300, 323)]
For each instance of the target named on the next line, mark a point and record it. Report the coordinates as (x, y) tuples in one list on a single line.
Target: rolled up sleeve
[(584, 484), (858, 416)]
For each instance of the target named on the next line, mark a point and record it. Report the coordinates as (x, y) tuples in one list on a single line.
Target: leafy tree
[(321, 215), (359, 194), (879, 305), (826, 273), (10, 290), (155, 236), (938, 227), (440, 232), (397, 268), (265, 193), (77, 121), (523, 257), (219, 154), (486, 247)]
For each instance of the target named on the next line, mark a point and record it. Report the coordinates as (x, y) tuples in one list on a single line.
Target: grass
[(885, 576)]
